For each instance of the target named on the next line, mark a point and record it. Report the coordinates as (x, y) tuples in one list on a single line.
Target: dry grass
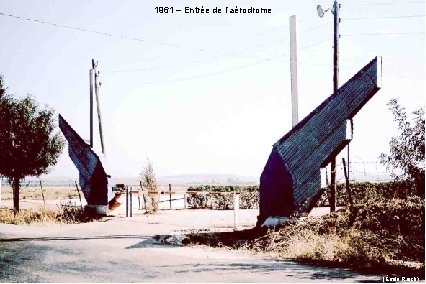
[(66, 213), (27, 216), (36, 193), (151, 203), (388, 236)]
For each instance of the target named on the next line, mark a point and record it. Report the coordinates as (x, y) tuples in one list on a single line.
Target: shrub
[(249, 197), (407, 151), (363, 192), (149, 182), (67, 213)]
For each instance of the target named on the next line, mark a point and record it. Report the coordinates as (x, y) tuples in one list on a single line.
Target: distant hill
[(208, 179), (194, 179), (187, 179)]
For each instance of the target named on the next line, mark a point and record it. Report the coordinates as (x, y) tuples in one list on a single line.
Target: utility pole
[(293, 70), (98, 105), (92, 81), (336, 8)]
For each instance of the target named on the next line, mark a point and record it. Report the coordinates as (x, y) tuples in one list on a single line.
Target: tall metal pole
[(98, 105), (293, 70), (336, 8)]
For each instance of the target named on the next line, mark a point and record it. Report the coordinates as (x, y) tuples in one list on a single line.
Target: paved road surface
[(123, 250)]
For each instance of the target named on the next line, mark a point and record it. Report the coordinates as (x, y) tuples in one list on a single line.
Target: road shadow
[(106, 237), (290, 269)]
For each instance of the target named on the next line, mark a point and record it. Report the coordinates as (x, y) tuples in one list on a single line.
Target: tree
[(28, 141), (149, 182), (407, 151)]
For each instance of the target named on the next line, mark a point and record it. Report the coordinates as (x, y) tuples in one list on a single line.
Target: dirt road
[(123, 250)]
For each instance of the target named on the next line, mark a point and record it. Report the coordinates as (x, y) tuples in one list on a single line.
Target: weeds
[(36, 193), (385, 230), (67, 213)]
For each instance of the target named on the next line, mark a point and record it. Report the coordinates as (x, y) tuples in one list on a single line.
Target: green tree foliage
[(28, 141), (407, 151)]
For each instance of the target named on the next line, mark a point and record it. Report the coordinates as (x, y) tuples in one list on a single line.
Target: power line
[(384, 34), (312, 28), (225, 70), (201, 60), (385, 3), (80, 29), (125, 37), (315, 44), (207, 74), (213, 57), (385, 17)]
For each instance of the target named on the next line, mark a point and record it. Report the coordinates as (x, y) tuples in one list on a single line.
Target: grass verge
[(67, 213), (386, 238)]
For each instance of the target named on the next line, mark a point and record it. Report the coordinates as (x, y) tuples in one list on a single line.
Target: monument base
[(274, 221), (96, 209)]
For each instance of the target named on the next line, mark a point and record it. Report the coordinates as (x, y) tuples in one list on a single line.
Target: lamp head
[(320, 11)]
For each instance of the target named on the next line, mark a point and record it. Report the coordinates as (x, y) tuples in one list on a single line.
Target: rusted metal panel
[(312, 142)]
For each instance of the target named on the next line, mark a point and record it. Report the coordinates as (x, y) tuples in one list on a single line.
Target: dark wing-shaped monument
[(92, 177), (292, 173)]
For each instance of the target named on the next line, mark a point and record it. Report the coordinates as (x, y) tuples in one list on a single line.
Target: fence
[(360, 170), (186, 199)]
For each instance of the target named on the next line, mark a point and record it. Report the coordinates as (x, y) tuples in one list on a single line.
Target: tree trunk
[(15, 185)]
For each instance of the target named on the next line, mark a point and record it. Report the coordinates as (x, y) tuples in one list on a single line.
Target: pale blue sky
[(206, 93)]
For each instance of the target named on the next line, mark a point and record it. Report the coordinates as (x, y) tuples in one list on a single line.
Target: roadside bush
[(223, 201), (249, 200), (368, 233), (27, 216), (149, 182), (225, 188), (386, 235), (197, 201), (407, 150), (67, 213), (363, 192)]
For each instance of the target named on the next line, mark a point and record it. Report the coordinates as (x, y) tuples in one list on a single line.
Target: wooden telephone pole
[(92, 81), (336, 8)]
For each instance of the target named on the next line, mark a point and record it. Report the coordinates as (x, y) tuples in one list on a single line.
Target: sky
[(207, 93)]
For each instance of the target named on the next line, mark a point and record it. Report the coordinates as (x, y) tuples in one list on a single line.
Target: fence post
[(79, 195), (131, 202), (139, 200), (42, 193), (127, 201), (236, 209), (170, 196), (348, 190), (143, 197)]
